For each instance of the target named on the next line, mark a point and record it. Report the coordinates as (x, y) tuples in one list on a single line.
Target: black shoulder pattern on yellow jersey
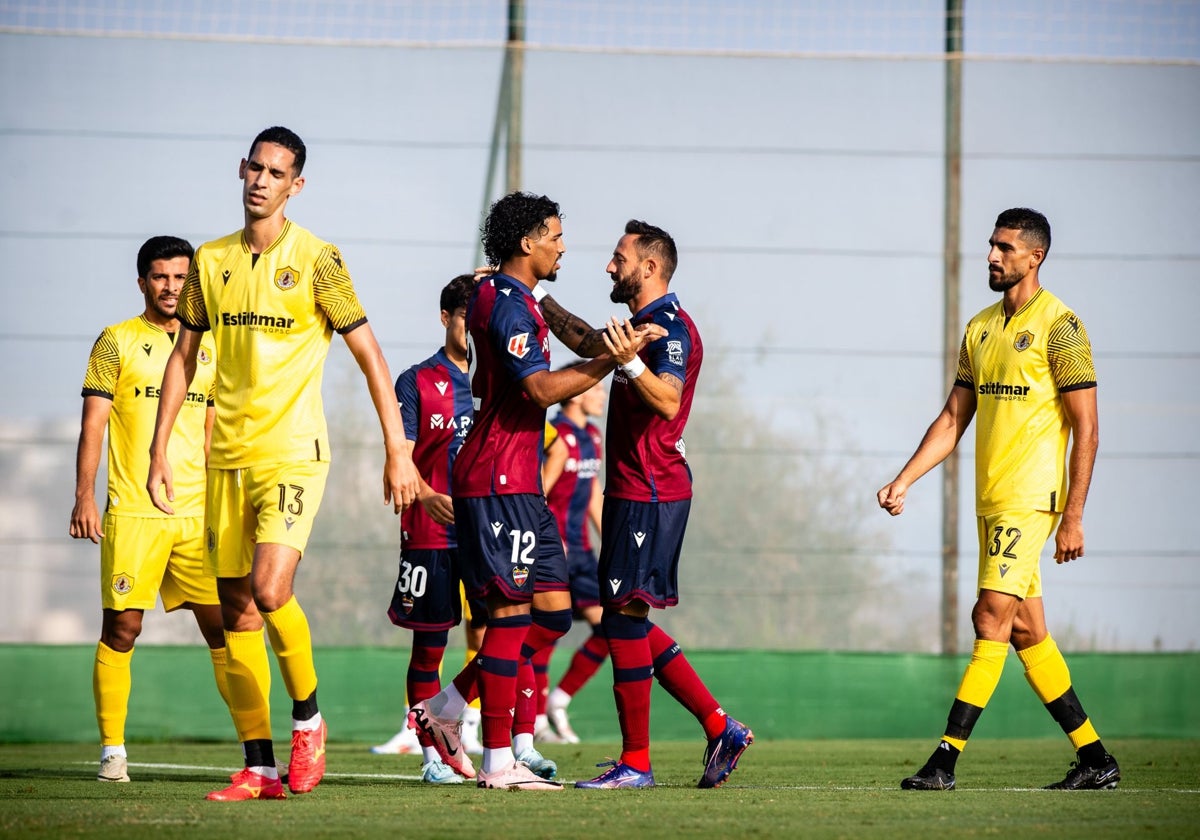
[(191, 311), (1070, 354), (334, 291), (104, 366), (964, 376)]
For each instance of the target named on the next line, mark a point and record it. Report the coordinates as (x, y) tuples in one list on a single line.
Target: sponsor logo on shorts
[(122, 584), (519, 575)]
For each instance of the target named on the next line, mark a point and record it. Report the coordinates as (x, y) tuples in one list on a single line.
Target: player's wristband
[(538, 292), (635, 368)]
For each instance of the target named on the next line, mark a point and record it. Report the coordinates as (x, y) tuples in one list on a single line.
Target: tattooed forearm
[(572, 330)]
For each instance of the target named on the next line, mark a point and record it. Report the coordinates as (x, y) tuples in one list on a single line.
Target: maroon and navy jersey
[(507, 340), (646, 457), (572, 493), (435, 402)]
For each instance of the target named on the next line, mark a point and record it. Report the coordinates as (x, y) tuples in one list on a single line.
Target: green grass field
[(781, 789)]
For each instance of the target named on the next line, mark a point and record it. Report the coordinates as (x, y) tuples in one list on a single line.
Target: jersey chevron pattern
[(435, 402), (272, 319), (1018, 369), (507, 340), (126, 366), (647, 459)]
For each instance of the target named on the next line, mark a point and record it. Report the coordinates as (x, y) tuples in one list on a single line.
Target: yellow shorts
[(142, 557), (1010, 550), (269, 503)]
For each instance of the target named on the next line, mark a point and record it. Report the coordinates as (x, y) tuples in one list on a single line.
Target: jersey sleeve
[(964, 376), (1070, 354), (192, 311), (514, 334), (103, 368), (334, 291), (406, 395), (670, 353)]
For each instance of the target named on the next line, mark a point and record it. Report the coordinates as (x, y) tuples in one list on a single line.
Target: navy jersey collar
[(667, 300), (512, 281)]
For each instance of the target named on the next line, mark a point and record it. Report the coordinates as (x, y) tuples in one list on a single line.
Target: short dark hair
[(511, 218), (1034, 227), (161, 248), (655, 241), (285, 137), (457, 292)]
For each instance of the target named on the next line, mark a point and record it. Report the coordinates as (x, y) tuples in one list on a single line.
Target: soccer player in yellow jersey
[(143, 553), (272, 294), (1025, 370)]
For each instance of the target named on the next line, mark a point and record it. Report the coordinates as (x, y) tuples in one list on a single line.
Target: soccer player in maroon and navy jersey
[(511, 551), (647, 495), (435, 404)]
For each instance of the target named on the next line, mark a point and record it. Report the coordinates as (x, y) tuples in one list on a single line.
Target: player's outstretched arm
[(400, 480), (1082, 414), (85, 516), (940, 440), (177, 376), (579, 336), (662, 394)]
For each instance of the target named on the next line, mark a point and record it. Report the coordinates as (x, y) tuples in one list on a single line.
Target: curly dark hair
[(1034, 227), (457, 292), (517, 215)]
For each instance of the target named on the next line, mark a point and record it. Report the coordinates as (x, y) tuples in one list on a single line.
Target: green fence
[(46, 695)]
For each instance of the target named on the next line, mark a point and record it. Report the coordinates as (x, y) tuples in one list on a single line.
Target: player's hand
[(161, 484), (482, 271), (649, 332), (400, 483), (440, 507), (891, 497), (85, 520), (622, 341), (1068, 541)]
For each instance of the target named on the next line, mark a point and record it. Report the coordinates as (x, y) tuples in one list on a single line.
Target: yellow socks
[(287, 628), (111, 684), (978, 683), (248, 680), (1047, 673)]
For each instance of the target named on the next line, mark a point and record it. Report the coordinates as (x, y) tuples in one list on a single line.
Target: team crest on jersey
[(518, 345), (287, 278), (122, 584), (519, 575), (675, 352), (1024, 339), (406, 604), (203, 356)]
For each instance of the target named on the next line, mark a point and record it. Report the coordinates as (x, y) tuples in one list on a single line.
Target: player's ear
[(242, 170), (296, 186)]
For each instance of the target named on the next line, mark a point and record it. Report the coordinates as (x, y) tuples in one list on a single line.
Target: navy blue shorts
[(585, 581), (509, 546), (426, 593), (639, 551)]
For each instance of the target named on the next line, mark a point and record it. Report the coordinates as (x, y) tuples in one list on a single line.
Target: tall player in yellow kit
[(272, 294), (1025, 371), (143, 553)]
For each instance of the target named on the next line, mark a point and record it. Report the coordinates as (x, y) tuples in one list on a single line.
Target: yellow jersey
[(1018, 367), (272, 317), (126, 366)]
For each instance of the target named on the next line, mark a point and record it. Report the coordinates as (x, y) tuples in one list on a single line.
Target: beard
[(625, 288), (999, 282)]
